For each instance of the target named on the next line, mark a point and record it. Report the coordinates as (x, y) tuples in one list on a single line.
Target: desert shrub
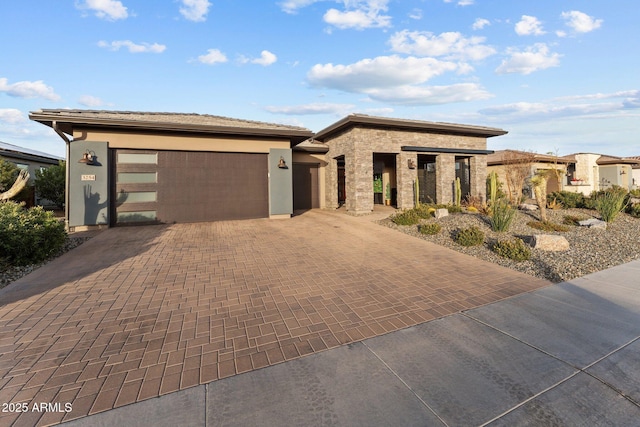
[(28, 236), (472, 209), (453, 208), (514, 249), (555, 204), (50, 183), (635, 192), (471, 236), (408, 217), (610, 203), (501, 216), (573, 219), (430, 229), (567, 199), (547, 226), (634, 210), (424, 211)]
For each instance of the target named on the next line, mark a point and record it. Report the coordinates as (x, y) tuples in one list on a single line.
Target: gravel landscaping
[(9, 274), (590, 249)]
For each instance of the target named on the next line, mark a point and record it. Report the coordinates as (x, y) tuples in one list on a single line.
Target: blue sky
[(560, 76)]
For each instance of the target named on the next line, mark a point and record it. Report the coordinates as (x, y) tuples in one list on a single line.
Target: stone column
[(360, 186), (478, 166), (445, 177), (331, 184), (405, 179)]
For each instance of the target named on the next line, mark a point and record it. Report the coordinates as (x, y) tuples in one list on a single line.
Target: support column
[(478, 172), (331, 184), (445, 177), (359, 177), (406, 178)]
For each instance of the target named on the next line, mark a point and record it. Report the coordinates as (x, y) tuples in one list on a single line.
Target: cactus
[(417, 192), (458, 192), (493, 187)]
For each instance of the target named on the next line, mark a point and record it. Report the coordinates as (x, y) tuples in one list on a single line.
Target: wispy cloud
[(90, 101), (11, 116), (581, 22), (213, 56), (266, 58), (292, 6), (416, 14), (461, 2), (450, 45), (133, 47), (313, 108), (480, 23), (430, 95), (529, 26), (533, 58), (357, 14), (27, 89), (195, 10), (110, 10)]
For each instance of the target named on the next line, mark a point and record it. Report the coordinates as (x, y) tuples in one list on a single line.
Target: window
[(137, 177)]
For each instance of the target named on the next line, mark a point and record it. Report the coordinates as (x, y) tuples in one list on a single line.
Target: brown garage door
[(190, 186), (305, 186)]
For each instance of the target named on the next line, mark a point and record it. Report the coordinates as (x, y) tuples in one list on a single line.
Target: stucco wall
[(88, 185), (280, 188)]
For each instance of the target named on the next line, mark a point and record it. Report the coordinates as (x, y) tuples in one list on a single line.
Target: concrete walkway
[(169, 316)]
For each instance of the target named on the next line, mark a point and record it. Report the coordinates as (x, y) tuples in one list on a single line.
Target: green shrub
[(610, 203), (50, 183), (634, 210), (453, 208), (547, 226), (28, 236), (568, 199), (408, 217), (471, 236), (501, 216), (573, 219), (430, 229), (424, 211), (514, 249)]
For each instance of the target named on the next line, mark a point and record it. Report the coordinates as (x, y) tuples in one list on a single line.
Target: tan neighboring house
[(31, 160), (557, 167), (635, 173), (594, 172), (141, 167)]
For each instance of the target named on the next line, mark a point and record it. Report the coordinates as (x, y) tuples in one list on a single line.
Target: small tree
[(50, 183), (8, 174), (517, 168)]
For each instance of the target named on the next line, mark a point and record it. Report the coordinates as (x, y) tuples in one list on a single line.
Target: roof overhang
[(359, 120), (68, 122), (445, 150)]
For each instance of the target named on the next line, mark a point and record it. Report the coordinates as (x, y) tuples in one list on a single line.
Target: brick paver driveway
[(139, 312)]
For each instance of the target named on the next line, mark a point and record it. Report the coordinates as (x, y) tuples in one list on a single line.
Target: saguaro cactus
[(493, 187), (458, 192)]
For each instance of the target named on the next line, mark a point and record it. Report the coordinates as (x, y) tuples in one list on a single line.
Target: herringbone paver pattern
[(143, 311)]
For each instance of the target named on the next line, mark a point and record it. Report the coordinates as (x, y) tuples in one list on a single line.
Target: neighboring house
[(557, 167), (139, 167), (31, 160), (594, 172), (635, 173)]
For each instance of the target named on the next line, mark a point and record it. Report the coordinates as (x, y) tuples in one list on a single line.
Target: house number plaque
[(88, 177)]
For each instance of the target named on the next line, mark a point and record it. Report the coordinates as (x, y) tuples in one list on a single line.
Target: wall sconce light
[(282, 164), (623, 172), (88, 157), (411, 163)]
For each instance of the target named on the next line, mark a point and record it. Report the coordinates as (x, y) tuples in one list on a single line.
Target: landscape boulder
[(441, 213), (550, 242), (593, 223), (527, 207)]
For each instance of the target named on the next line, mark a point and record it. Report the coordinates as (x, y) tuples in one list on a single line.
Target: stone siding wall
[(358, 145)]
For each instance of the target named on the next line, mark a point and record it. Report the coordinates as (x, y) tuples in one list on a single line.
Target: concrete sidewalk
[(567, 354)]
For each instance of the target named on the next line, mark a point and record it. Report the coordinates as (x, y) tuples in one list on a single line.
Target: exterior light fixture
[(411, 163), (88, 157), (623, 172), (282, 164)]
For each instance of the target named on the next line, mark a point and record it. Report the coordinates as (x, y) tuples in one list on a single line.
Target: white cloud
[(529, 25), (133, 47), (11, 116), (430, 95), (195, 10), (213, 56), (451, 45), (292, 6), (461, 2), (480, 23), (380, 72), (581, 22), (266, 58), (534, 58), (90, 101), (360, 14), (416, 14), (314, 108), (104, 9), (28, 89), (597, 105)]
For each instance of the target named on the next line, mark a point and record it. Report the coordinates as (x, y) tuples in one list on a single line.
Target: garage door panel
[(204, 186)]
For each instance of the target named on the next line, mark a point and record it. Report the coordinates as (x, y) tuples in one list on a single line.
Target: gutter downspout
[(54, 126)]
